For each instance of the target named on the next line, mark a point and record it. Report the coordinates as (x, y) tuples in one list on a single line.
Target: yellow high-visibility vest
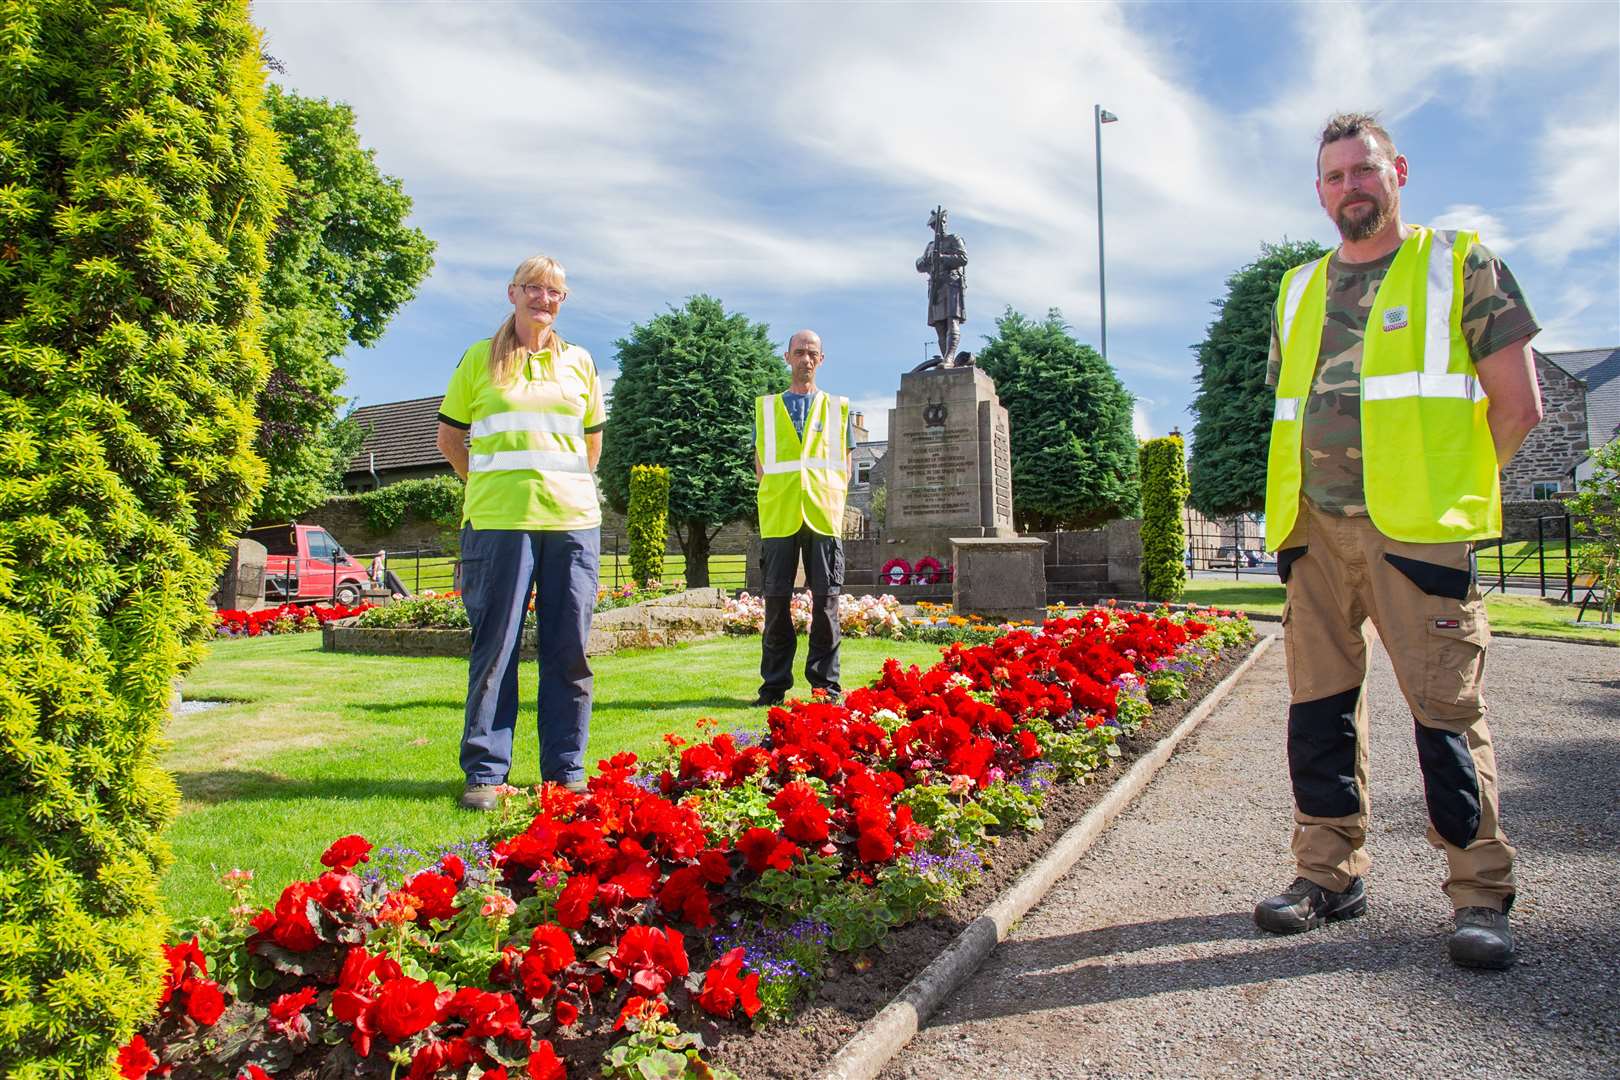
[(805, 479), (1428, 463)]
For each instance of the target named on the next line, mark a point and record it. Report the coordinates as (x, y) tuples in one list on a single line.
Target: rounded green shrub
[(647, 521), (1164, 518), (138, 184)]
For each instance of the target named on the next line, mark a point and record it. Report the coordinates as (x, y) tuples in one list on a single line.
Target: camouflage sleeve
[(1274, 359), (1495, 311)]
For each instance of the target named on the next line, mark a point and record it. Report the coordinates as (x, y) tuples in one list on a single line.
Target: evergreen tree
[(684, 399), (1234, 404), (1164, 518), (1074, 453), (139, 181), (342, 263)]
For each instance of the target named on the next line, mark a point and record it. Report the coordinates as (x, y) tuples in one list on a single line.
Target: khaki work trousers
[(1425, 603)]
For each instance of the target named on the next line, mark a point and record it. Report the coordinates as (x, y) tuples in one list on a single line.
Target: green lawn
[(1510, 614), (316, 745), (725, 571)]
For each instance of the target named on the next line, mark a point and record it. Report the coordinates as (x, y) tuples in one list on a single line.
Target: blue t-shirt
[(798, 410)]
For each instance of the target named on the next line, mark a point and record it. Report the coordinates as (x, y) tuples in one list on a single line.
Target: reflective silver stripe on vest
[(1296, 292), (801, 465), (768, 456), (517, 420), (1437, 310), (1287, 409), (538, 460), (1421, 384)]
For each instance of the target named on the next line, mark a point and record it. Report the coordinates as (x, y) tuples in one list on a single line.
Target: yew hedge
[(138, 183)]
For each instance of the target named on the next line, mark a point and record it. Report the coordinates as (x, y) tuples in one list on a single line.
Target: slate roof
[(403, 435), (1599, 370)]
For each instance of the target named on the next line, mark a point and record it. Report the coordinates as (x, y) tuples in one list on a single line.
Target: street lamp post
[(1101, 116)]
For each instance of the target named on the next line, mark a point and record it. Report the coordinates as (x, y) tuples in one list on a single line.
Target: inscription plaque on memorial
[(950, 471)]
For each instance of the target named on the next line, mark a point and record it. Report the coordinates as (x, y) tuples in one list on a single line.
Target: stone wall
[(1080, 566), (668, 620), (345, 519), (1519, 519), (1557, 444)]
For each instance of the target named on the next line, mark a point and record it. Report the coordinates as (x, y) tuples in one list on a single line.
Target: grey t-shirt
[(798, 408)]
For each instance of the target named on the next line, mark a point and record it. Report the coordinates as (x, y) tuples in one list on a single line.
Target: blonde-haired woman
[(530, 525)]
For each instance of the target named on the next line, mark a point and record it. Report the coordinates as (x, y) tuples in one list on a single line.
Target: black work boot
[(479, 797), (1482, 939), (1305, 905)]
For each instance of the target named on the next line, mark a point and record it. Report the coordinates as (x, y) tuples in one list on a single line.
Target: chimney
[(858, 420)]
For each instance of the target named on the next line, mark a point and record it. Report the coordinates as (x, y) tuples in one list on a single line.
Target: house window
[(1544, 489), (863, 472)]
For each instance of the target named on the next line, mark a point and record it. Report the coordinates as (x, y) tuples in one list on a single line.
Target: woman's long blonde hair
[(506, 352)]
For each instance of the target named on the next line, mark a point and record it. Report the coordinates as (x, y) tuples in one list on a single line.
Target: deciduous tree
[(684, 399), (343, 261)]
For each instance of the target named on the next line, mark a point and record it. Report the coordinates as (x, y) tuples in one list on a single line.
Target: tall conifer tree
[(1234, 404), (138, 183), (1074, 454)]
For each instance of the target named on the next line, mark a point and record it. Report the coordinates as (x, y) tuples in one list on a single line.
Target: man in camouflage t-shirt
[(1495, 314), (1341, 571)]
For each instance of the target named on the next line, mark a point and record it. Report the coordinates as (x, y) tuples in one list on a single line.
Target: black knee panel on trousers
[(1450, 784), (1322, 755)]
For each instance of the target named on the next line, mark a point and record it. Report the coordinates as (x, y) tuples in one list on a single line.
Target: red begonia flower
[(347, 852)]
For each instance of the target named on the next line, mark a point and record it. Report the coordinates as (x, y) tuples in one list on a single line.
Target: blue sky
[(784, 158)]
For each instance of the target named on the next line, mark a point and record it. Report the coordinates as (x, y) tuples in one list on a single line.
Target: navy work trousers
[(824, 572), (500, 570)]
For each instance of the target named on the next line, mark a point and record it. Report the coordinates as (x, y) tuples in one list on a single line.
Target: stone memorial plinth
[(241, 585), (949, 461), (1000, 579)]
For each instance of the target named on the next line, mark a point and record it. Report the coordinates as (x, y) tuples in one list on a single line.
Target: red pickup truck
[(301, 562)]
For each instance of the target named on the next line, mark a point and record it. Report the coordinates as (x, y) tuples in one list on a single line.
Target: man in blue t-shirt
[(780, 557)]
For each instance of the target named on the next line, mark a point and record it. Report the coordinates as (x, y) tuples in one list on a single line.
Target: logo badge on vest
[(1394, 319)]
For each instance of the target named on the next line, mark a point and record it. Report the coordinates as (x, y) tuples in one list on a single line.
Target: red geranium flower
[(406, 1006), (641, 1009), (803, 817), (765, 850), (554, 946), (287, 1014), (651, 959), (685, 896), (204, 1002), (435, 893), (136, 1061), (574, 905), (724, 988), (346, 852), (253, 1072), (455, 869), (544, 1063)]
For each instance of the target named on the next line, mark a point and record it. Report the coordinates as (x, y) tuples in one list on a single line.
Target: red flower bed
[(286, 619), (594, 913)]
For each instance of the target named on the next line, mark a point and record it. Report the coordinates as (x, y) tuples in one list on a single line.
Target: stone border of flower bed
[(884, 1035), (692, 615)]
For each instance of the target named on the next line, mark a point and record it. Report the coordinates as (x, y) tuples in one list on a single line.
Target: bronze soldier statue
[(944, 260)]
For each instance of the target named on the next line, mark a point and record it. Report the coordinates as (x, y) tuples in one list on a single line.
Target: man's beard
[(1364, 228)]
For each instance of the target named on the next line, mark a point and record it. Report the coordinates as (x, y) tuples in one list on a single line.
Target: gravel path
[(1145, 960)]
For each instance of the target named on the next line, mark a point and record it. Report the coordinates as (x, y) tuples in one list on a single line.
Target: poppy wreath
[(928, 571), (895, 572), (618, 911)]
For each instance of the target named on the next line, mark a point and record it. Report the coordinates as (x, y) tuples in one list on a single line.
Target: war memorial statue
[(944, 260)]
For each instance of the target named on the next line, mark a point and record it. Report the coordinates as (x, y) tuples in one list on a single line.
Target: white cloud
[(1469, 216), (1140, 422), (1579, 205), (876, 409)]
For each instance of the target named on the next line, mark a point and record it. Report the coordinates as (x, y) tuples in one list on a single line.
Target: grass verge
[(1508, 614), (310, 746)]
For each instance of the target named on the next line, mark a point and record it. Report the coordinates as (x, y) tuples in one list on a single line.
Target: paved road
[(1144, 961)]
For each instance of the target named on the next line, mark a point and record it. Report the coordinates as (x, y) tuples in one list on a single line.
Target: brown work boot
[(1305, 905), (480, 797), (1482, 939)]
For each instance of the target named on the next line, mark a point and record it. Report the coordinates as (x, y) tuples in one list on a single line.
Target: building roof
[(1599, 371), (403, 435)]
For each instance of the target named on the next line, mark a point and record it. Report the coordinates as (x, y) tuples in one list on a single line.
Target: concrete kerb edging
[(882, 1037)]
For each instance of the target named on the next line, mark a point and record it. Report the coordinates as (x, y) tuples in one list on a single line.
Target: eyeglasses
[(543, 292)]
